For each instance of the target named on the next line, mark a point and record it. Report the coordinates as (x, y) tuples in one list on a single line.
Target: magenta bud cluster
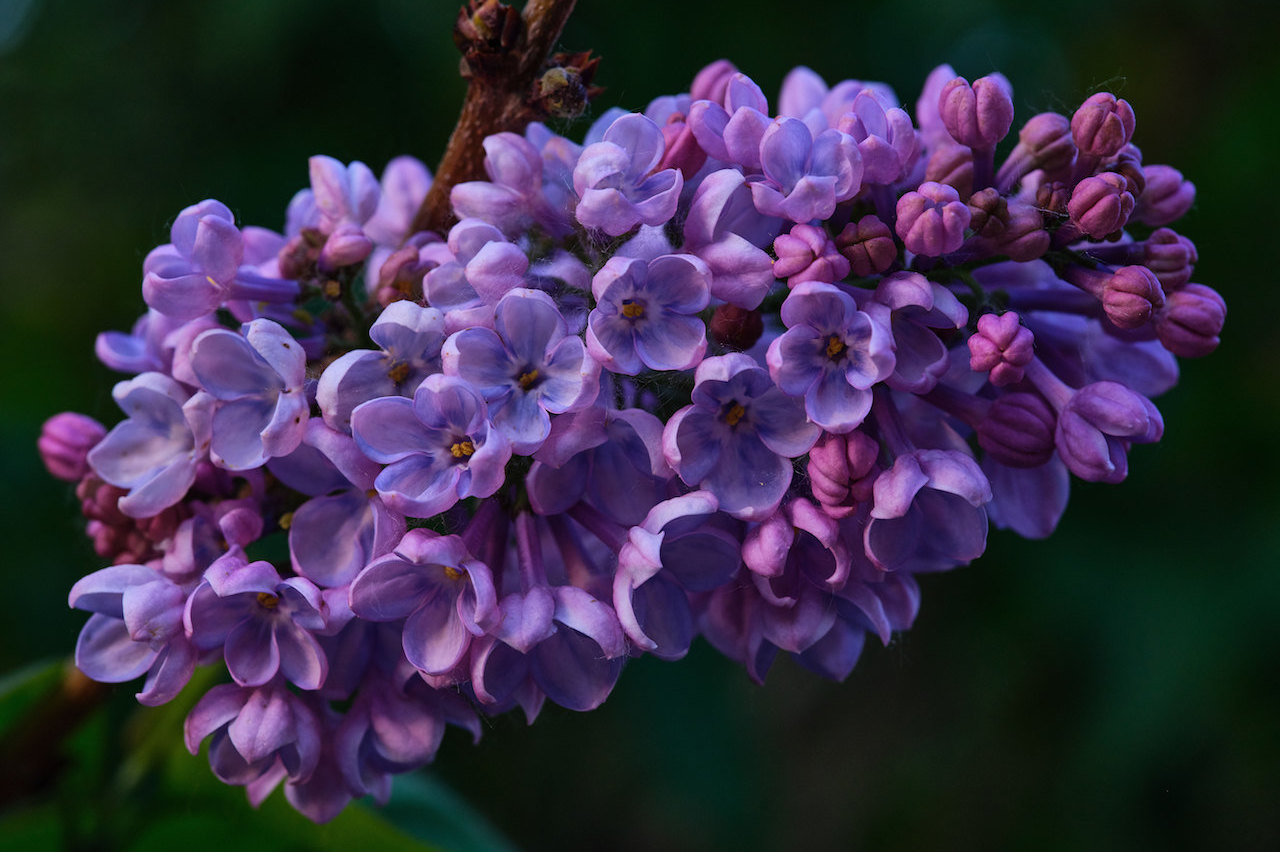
[(720, 369)]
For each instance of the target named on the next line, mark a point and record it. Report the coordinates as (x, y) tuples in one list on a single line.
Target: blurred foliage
[(1113, 688)]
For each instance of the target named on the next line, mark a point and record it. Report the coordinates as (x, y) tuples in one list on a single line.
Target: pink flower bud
[(1189, 323), (1131, 295), (1170, 256), (932, 220), (808, 254), (1100, 205), (1167, 197), (65, 441), (1102, 125), (712, 82), (952, 165), (1002, 346), (977, 116)]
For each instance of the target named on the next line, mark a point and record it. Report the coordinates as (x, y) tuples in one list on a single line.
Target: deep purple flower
[(265, 624), (445, 595), (438, 448), (831, 354), (526, 367), (257, 378), (730, 129), (410, 336), (726, 231), (615, 181), (884, 134), (512, 198), (917, 307), (256, 731), (928, 513), (737, 438), (646, 314)]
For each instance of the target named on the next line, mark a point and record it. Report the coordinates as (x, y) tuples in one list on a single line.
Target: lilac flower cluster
[(722, 370)]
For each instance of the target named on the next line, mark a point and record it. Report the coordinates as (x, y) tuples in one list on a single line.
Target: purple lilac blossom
[(616, 183), (438, 448), (646, 314), (806, 175), (526, 367)]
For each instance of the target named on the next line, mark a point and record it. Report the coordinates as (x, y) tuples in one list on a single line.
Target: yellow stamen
[(398, 372), (527, 379), (834, 346), (733, 415), (632, 309), (452, 573), (332, 289), (285, 520), (268, 601), (460, 449)]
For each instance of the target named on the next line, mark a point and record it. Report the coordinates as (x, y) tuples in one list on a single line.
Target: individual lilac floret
[(1044, 142), (932, 219), (806, 176), (1129, 295), (512, 198), (527, 367), (257, 379), (264, 624), (928, 513), (1001, 346), (444, 593), (831, 354), (405, 183), (737, 438), (886, 140), (257, 733), (725, 230), (136, 629), (646, 314), (343, 194), (199, 270), (438, 448), (476, 268), (615, 181), (410, 336), (154, 453), (731, 133), (918, 306), (808, 253)]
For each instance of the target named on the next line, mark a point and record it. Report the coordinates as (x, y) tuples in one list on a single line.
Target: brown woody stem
[(495, 102)]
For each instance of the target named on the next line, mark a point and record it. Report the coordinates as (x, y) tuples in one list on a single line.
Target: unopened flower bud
[(65, 441), (1189, 323), (1100, 205), (977, 116), (735, 327), (681, 148), (1053, 196), (1047, 140), (1171, 256), (1002, 346), (840, 468), (1024, 238), (807, 253), (988, 213), (868, 245), (932, 220), (346, 246), (1131, 295), (1167, 197), (1128, 164), (1102, 125), (1018, 430)]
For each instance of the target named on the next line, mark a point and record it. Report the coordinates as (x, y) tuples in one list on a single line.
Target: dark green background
[(1116, 687)]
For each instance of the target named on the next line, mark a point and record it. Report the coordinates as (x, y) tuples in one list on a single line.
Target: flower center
[(733, 413), (268, 601), (398, 372), (527, 379), (452, 573), (834, 347), (632, 308), (462, 448)]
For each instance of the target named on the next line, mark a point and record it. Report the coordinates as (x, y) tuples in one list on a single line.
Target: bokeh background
[(1116, 687)]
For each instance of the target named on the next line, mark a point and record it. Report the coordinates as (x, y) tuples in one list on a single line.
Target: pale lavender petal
[(435, 639)]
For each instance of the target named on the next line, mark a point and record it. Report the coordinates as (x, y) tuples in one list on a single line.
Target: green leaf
[(20, 690), (425, 808)]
